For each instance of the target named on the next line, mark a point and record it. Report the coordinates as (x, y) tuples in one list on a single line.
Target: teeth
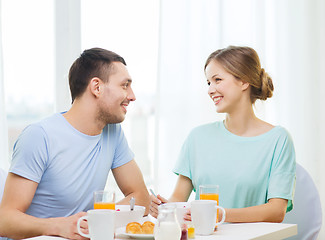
[(216, 99)]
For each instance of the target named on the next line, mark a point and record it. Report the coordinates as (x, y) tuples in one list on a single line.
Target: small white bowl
[(124, 215)]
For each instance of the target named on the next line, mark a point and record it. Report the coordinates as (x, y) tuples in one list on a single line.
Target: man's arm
[(14, 223), (130, 180)]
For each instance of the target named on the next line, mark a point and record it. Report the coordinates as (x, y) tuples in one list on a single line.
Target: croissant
[(147, 227), (136, 228)]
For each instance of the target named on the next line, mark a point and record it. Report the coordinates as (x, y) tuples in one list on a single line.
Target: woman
[(251, 160)]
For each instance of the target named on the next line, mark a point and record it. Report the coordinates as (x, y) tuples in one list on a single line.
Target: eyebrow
[(215, 75), (128, 80)]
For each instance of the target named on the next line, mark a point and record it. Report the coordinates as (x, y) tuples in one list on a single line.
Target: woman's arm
[(273, 211), (182, 189)]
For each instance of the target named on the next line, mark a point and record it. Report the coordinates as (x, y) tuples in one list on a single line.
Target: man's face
[(116, 94)]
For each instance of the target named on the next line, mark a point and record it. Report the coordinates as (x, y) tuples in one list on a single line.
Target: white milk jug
[(167, 226)]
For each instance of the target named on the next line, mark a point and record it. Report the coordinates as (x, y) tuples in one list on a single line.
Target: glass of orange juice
[(210, 192), (104, 199)]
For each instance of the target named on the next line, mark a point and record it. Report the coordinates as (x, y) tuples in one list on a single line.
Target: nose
[(211, 89), (131, 96)]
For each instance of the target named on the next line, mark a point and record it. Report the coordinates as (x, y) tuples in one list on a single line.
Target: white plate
[(121, 231)]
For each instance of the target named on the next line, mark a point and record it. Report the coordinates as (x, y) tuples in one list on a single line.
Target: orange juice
[(211, 196), (104, 205), (191, 232)]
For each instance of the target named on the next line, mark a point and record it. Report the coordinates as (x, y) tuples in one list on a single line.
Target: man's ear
[(94, 86)]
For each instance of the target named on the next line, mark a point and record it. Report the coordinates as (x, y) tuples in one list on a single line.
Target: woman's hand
[(154, 203), (187, 216)]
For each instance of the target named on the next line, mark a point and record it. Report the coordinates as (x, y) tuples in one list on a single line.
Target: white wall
[(4, 163)]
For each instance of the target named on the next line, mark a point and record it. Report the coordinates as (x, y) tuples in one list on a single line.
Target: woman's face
[(224, 89)]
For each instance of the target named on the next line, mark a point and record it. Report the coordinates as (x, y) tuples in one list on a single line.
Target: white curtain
[(4, 163), (67, 48), (289, 37)]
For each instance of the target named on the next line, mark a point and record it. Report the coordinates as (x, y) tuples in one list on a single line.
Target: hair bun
[(267, 85)]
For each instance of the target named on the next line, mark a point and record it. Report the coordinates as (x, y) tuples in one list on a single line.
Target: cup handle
[(223, 215), (78, 227)]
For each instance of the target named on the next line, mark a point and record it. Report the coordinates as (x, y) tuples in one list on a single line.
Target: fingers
[(155, 202), (83, 226), (163, 200), (80, 214), (76, 236), (187, 216), (153, 210)]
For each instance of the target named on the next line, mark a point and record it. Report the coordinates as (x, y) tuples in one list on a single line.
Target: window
[(28, 62), (130, 28)]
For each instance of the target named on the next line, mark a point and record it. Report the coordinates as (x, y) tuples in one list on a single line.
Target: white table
[(233, 231), (256, 231)]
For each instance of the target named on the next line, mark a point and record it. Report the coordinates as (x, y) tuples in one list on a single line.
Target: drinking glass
[(104, 200), (210, 192)]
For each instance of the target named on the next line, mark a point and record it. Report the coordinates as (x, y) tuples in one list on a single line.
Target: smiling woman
[(258, 178)]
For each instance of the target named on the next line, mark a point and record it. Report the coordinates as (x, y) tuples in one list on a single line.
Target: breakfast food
[(147, 227), (136, 228)]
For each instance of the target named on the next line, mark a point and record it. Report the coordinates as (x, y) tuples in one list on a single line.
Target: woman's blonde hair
[(244, 64)]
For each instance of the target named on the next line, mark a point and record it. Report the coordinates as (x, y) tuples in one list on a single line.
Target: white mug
[(100, 223), (204, 216)]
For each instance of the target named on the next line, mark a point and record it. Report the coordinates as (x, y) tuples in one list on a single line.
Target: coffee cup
[(100, 224), (204, 216)]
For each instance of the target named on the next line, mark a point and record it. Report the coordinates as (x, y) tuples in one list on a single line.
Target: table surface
[(231, 231)]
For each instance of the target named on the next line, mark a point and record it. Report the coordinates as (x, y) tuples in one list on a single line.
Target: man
[(59, 162)]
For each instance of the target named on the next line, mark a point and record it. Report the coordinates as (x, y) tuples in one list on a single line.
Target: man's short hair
[(94, 62)]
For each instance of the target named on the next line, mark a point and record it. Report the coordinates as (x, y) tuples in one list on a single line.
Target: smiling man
[(60, 161)]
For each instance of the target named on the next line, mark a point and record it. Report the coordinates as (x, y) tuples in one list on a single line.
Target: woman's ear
[(94, 86), (245, 85)]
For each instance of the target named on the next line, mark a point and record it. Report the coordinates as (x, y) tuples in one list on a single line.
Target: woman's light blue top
[(248, 170)]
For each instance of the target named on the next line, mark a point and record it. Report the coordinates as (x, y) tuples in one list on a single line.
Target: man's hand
[(67, 226), (155, 202)]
